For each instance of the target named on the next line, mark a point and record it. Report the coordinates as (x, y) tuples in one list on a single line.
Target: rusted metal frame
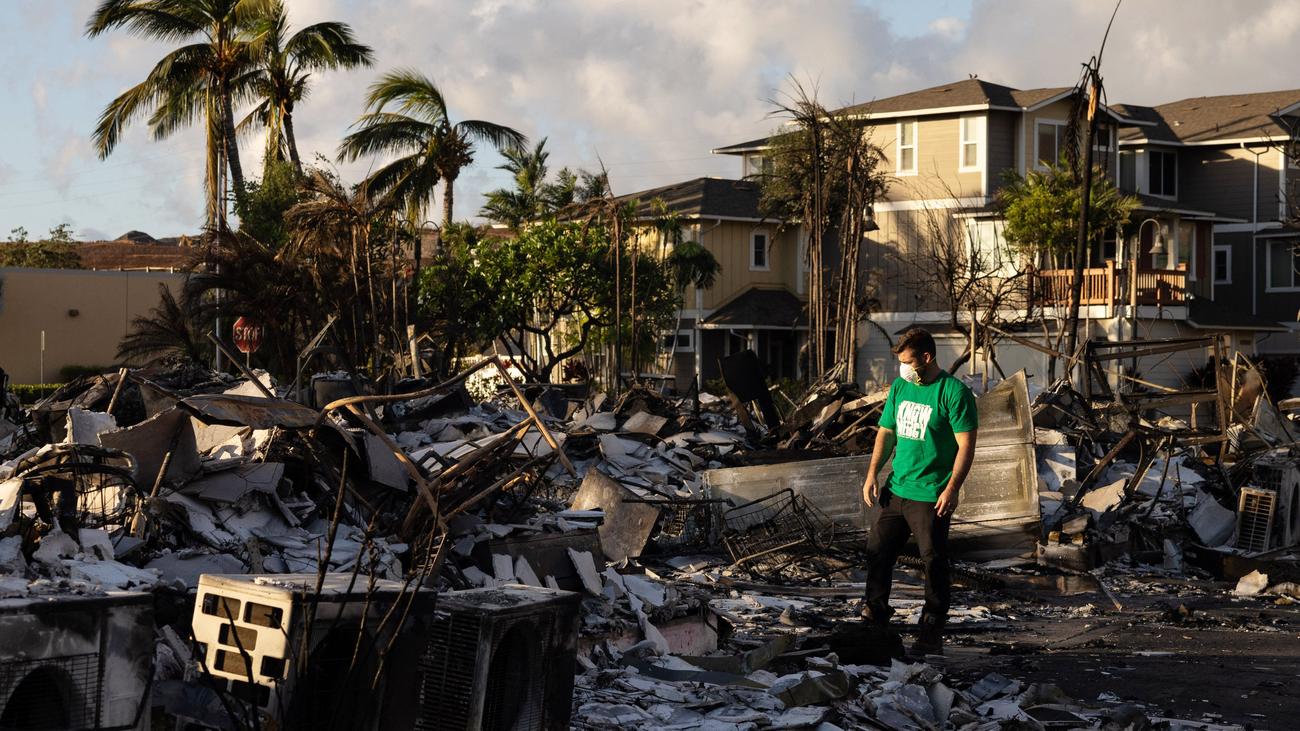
[(391, 398), (1140, 352), (508, 438), (532, 414), (1224, 400), (504, 483), (1101, 466), (117, 390), (411, 469)]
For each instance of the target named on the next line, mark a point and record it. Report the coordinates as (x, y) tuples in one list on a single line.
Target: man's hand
[(947, 503), (870, 491)]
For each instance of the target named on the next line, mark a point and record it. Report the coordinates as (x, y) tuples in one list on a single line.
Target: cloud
[(39, 96), (649, 88)]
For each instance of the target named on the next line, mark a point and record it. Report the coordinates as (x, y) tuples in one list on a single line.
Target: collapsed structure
[(188, 548)]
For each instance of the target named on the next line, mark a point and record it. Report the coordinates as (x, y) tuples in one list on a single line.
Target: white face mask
[(909, 373)]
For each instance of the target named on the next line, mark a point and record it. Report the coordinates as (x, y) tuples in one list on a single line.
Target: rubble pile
[(716, 545)]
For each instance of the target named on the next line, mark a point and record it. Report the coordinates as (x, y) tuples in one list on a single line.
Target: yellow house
[(757, 300)]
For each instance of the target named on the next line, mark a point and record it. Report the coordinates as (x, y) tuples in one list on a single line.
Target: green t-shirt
[(924, 419)]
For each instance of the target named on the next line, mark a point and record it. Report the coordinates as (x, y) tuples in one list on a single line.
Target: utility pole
[(1085, 205)]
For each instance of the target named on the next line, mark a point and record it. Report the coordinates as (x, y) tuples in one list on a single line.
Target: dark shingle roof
[(965, 93), (760, 307), (1206, 119), (702, 197)]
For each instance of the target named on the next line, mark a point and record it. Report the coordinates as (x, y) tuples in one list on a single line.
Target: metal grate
[(779, 523), (448, 670), (516, 676), (1255, 510), (56, 692)]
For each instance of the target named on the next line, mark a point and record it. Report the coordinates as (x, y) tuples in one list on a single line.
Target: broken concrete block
[(525, 574), (627, 526), (586, 567), (502, 567), (385, 468), (84, 427)]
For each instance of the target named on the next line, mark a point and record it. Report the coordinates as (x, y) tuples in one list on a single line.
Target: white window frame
[(1151, 157), (689, 347), (914, 147), (979, 135), (1060, 125), (767, 251), (1214, 264), (1268, 268), (1110, 133)]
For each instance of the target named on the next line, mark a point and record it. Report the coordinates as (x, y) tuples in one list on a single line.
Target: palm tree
[(430, 146), (169, 330), (531, 195), (283, 66), (198, 80)]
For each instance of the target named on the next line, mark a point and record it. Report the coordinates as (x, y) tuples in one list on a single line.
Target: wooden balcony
[(1108, 285)]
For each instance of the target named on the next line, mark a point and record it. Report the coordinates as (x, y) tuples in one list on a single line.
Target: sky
[(646, 87)]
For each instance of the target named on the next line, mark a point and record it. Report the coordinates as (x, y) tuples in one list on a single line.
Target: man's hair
[(918, 340)]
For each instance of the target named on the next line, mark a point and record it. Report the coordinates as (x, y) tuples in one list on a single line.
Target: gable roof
[(759, 307), (702, 198), (1216, 119), (967, 95)]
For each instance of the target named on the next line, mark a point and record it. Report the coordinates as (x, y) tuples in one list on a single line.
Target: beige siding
[(35, 300), (889, 254), (730, 242), (938, 160)]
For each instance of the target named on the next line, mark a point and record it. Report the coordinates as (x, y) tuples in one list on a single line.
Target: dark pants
[(899, 518)]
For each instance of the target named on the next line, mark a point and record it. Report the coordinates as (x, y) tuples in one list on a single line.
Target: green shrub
[(30, 393)]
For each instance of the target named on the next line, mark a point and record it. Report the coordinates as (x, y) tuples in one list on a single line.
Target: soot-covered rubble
[(716, 543)]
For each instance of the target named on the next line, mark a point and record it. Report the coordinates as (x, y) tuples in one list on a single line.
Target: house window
[(1048, 142), (988, 249), (1109, 245), (972, 133), (1103, 139), (758, 252), (906, 154), (1222, 265), (682, 342), (1283, 265), (758, 165), (1162, 173), (1128, 172)]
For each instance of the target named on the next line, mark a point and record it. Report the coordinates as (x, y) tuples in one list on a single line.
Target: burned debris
[(421, 559)]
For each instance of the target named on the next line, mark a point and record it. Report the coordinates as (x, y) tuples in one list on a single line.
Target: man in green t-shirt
[(929, 424)]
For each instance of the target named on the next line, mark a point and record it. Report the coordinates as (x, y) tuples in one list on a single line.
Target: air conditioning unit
[(500, 659), (1256, 510), (76, 662), (1278, 472), (253, 638)]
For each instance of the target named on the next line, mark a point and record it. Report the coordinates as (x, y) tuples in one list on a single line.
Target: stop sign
[(247, 334)]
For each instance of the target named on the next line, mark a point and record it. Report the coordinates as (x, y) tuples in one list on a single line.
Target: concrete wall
[(35, 300)]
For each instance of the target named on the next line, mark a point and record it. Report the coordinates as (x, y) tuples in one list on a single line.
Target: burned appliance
[(260, 638), (500, 659), (76, 662), (1268, 512)]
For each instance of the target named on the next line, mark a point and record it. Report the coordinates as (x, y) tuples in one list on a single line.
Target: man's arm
[(960, 468), (880, 453)]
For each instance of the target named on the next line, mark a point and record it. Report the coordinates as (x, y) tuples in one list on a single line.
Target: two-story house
[(1195, 259), (756, 301), (1227, 154)]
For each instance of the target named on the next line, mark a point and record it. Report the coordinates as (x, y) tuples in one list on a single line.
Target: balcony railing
[(1108, 285)]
